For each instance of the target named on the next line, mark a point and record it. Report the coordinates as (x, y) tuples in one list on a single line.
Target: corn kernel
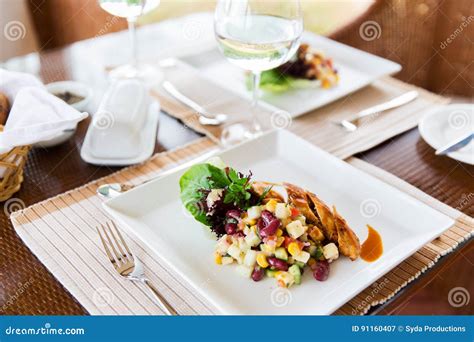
[(280, 241), (294, 248), (218, 259), (279, 232), (262, 260), (271, 205), (281, 283)]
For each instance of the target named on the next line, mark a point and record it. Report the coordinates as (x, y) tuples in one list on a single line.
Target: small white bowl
[(76, 88)]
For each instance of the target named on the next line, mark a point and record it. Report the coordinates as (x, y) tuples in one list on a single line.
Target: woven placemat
[(61, 233)]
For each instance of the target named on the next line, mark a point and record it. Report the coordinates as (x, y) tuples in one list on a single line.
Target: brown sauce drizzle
[(372, 248)]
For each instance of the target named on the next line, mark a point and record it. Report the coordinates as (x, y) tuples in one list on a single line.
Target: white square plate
[(357, 69), (154, 213)]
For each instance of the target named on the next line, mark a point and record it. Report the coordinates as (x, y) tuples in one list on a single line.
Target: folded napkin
[(36, 115)]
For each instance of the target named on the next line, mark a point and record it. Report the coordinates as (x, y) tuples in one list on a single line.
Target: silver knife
[(455, 144)]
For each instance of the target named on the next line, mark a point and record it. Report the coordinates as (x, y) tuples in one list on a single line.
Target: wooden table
[(26, 286)]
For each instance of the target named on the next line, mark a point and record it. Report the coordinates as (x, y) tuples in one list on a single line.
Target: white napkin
[(36, 115)]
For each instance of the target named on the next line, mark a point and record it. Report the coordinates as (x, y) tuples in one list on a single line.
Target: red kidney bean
[(258, 274), (278, 264), (271, 228), (234, 213), (321, 270), (230, 228), (267, 216)]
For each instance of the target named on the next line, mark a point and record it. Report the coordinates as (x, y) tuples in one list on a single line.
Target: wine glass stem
[(133, 40), (256, 85)]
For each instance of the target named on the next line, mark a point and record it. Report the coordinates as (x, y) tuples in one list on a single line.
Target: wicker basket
[(12, 163)]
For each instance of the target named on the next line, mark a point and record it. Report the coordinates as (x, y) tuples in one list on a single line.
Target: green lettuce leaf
[(197, 178), (274, 81)]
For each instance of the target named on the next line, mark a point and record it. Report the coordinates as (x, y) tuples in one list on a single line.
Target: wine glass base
[(148, 73), (238, 133)]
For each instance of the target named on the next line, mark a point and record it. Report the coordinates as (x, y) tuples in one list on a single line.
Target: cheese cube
[(244, 271), (250, 258), (234, 251), (227, 260), (254, 212), (282, 211), (330, 252), (302, 257), (252, 239), (295, 229)]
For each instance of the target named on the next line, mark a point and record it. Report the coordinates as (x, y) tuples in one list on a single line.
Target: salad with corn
[(260, 232)]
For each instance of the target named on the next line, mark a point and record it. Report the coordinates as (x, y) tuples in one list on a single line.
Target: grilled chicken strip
[(348, 241), (297, 197), (326, 217)]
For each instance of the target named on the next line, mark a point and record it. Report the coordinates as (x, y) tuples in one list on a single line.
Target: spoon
[(205, 118)]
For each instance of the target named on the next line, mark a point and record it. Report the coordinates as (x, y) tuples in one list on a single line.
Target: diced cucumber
[(296, 272), (312, 250), (299, 264), (270, 273), (281, 253)]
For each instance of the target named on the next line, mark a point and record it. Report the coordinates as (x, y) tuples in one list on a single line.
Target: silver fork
[(126, 264), (349, 124)]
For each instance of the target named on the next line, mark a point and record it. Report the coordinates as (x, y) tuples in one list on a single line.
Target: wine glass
[(256, 35), (131, 10)]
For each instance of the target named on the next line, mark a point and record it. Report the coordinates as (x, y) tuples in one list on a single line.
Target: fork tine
[(117, 242), (107, 250), (118, 256), (124, 244)]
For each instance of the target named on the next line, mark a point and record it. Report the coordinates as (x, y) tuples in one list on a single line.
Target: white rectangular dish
[(356, 68), (153, 212)]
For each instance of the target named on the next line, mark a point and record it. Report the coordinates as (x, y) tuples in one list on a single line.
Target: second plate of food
[(318, 266), (355, 69)]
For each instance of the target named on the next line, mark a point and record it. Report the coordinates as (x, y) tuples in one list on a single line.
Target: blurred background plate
[(445, 124)]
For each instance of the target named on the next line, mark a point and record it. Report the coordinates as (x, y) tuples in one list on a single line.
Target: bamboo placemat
[(61, 233), (317, 126)]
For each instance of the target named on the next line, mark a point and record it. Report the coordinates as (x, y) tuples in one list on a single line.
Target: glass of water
[(131, 10), (256, 35)]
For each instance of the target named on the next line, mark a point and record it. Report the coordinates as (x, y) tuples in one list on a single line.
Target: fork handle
[(160, 300)]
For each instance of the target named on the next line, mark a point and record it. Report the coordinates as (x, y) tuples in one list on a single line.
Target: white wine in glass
[(256, 35), (131, 10)]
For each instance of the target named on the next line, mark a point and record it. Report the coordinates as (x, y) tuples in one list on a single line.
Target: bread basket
[(11, 170)]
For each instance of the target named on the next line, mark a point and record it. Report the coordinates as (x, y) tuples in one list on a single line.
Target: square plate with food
[(308, 82), (255, 229)]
